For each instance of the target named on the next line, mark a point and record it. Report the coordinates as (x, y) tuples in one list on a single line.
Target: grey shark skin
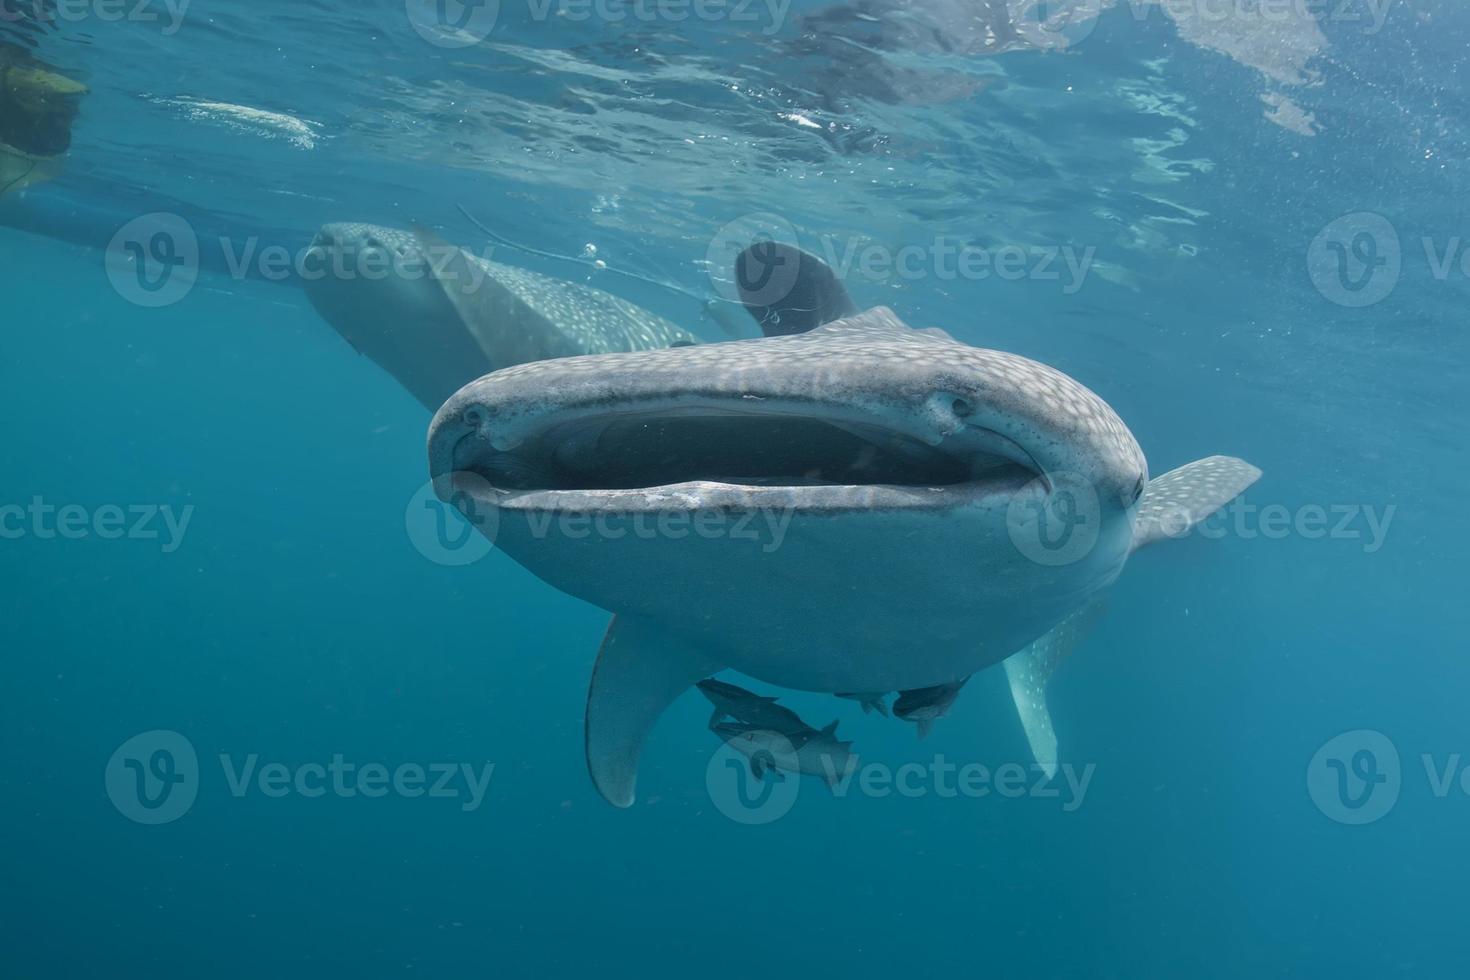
[(436, 317), (809, 752), (749, 708), (927, 705), (901, 458)]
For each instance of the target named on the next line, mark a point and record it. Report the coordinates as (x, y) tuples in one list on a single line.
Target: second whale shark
[(435, 316)]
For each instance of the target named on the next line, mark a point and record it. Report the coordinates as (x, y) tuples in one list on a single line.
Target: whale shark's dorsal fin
[(1029, 670), (640, 670), (789, 291), (1180, 499)]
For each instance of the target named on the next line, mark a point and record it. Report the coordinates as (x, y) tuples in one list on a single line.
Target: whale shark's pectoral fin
[(1180, 499), (1031, 669), (640, 670)]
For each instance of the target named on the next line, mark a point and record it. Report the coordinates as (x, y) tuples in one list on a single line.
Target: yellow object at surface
[(34, 88)]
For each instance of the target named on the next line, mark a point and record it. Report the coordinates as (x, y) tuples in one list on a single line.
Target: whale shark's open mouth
[(735, 447)]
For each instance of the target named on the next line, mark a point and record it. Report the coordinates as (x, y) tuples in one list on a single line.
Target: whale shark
[(950, 508), (435, 316)]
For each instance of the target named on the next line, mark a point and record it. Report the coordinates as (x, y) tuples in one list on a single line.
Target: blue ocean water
[(1232, 173)]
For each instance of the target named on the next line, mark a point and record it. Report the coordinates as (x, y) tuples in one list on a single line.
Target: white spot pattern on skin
[(1180, 499), (584, 320), (594, 322)]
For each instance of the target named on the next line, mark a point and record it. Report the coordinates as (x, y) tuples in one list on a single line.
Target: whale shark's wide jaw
[(682, 453)]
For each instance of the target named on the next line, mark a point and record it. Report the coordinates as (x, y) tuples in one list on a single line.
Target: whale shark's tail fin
[(789, 291), (1180, 499), (640, 670), (1030, 669)]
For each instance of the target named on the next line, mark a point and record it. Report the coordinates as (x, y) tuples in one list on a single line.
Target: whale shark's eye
[(962, 409)]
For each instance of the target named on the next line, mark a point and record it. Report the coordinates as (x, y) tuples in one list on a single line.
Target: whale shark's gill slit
[(640, 451)]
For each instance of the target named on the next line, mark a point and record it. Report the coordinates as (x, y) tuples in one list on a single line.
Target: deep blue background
[(298, 621)]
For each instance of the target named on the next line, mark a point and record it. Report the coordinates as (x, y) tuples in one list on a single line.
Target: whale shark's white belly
[(851, 601)]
